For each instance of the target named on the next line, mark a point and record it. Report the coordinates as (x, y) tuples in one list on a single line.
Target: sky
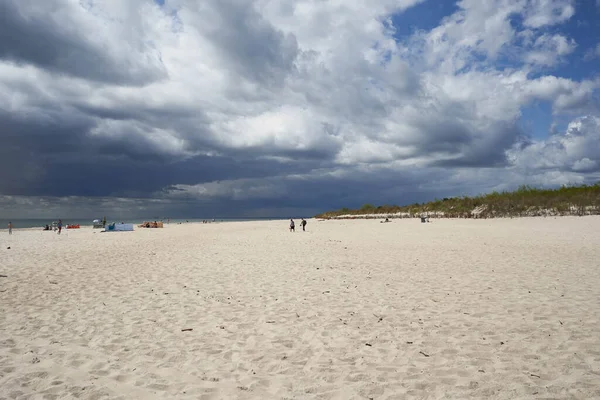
[(277, 108)]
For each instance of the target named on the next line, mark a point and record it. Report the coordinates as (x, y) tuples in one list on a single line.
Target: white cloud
[(577, 149), (485, 29), (547, 49), (540, 13), (593, 53)]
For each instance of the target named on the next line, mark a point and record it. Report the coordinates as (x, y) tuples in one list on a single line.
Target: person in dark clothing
[(292, 226), (303, 223)]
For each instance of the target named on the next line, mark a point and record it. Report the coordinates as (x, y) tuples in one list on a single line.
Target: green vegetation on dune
[(525, 201)]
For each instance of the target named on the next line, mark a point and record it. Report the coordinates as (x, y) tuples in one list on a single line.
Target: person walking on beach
[(292, 226), (303, 223), (59, 226), (9, 228)]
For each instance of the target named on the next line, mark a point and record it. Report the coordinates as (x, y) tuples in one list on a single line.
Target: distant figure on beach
[(10, 228), (59, 226), (292, 226), (303, 223)]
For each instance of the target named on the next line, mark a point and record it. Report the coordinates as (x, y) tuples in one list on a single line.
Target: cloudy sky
[(201, 108)]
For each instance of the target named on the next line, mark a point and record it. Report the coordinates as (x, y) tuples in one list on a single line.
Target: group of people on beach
[(293, 225), (57, 227), (46, 228)]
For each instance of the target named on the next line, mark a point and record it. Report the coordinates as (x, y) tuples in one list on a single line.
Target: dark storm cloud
[(321, 191), (143, 178), (55, 155), (44, 34), (193, 127), (27, 146), (249, 43), (482, 149)]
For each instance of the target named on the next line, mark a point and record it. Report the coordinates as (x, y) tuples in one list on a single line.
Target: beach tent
[(118, 227)]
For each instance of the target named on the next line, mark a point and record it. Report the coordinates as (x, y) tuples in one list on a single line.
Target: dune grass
[(525, 201)]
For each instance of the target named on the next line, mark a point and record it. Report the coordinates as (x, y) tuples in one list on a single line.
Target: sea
[(40, 223)]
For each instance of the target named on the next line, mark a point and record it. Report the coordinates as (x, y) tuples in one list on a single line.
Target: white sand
[(489, 309)]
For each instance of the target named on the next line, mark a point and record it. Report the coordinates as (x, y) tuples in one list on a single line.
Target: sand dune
[(490, 309)]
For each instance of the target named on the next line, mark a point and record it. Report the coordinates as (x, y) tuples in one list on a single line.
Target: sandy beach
[(453, 309)]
